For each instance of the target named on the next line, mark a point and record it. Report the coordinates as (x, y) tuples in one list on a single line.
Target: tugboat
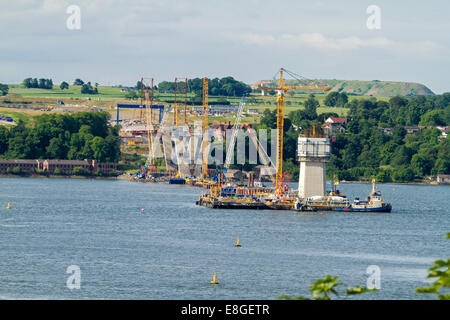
[(373, 203)]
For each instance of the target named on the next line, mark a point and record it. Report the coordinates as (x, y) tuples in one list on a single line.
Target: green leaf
[(431, 289), (358, 290)]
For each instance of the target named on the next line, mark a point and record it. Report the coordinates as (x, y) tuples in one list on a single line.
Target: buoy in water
[(237, 243), (214, 281), (321, 213), (8, 206), (142, 210)]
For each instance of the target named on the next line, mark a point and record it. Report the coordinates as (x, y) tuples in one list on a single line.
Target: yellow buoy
[(214, 281), (8, 206), (237, 243)]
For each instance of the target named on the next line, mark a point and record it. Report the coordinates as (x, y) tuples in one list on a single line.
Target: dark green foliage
[(35, 83), (3, 89), (88, 89), (64, 85), (62, 136), (227, 86), (336, 99), (78, 82), (408, 156), (132, 95), (80, 171), (16, 170)]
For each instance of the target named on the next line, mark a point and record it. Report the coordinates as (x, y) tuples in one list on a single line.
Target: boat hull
[(385, 208), (177, 181)]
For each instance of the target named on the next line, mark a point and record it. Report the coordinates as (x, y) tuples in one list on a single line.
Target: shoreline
[(128, 178), (56, 177)]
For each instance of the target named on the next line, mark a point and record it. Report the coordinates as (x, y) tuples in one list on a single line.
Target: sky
[(120, 41)]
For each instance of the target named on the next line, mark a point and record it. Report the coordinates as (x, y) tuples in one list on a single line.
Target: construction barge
[(261, 199)]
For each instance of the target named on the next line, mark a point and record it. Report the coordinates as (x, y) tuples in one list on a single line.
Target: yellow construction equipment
[(205, 129), (282, 89)]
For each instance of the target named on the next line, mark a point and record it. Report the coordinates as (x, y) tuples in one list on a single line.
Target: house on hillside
[(335, 125), (444, 131)]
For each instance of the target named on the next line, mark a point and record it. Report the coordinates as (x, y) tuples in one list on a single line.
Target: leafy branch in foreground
[(439, 270), (323, 289)]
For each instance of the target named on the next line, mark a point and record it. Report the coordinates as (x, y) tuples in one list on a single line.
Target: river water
[(172, 248)]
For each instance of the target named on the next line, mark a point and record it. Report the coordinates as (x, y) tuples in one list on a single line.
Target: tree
[(269, 119), (88, 89), (3, 89), (331, 99), (421, 164), (99, 149), (16, 170), (433, 118), (132, 95), (324, 289), (383, 176), (80, 171), (311, 105), (45, 83), (28, 83), (35, 83), (78, 82), (64, 85), (403, 174), (342, 100)]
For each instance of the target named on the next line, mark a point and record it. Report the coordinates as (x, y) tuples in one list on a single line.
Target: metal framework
[(205, 129), (230, 150)]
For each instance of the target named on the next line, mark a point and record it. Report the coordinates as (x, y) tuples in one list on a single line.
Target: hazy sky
[(122, 40)]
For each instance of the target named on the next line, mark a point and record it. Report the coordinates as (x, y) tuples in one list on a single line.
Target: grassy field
[(105, 93), (19, 114)]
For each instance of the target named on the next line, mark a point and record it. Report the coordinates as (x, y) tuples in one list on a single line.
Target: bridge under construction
[(172, 141)]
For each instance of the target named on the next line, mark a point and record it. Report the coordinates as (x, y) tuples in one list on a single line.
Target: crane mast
[(205, 129)]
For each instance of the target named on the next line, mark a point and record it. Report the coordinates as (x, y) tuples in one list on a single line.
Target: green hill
[(379, 88), (374, 88)]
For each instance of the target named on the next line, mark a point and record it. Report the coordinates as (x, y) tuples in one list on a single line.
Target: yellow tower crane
[(205, 129), (282, 89)]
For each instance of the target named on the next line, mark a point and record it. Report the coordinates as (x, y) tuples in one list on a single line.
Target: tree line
[(226, 86), (35, 83), (79, 136), (86, 88)]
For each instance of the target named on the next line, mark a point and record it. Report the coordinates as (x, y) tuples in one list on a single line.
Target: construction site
[(185, 149)]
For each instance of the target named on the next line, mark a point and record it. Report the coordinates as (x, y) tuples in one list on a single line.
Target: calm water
[(171, 250)]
